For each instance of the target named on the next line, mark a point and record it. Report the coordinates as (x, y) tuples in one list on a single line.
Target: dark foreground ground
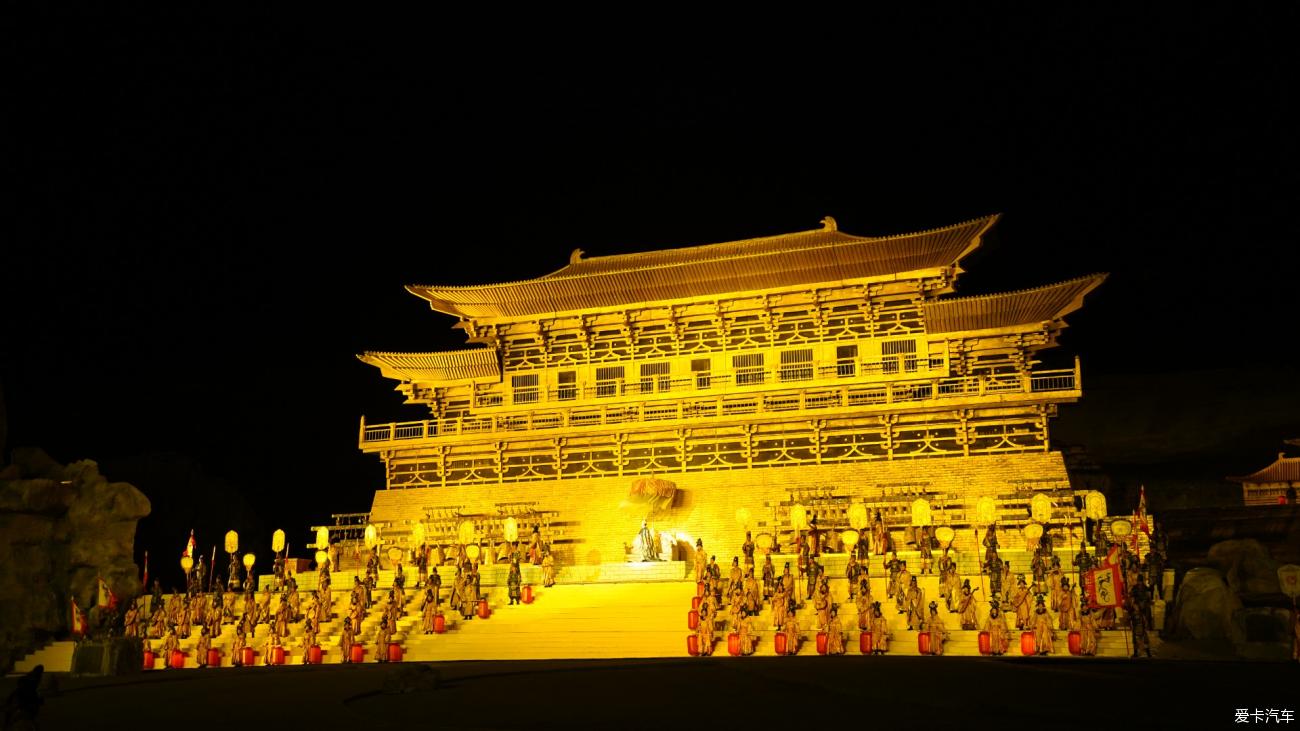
[(714, 693)]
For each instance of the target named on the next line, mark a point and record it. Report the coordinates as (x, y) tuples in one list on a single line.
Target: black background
[(213, 215)]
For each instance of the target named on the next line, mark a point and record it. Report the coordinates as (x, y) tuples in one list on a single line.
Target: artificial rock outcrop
[(61, 527)]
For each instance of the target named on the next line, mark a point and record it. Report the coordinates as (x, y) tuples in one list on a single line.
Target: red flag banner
[(1112, 557), (106, 598), (1142, 513), (1104, 586), (189, 545)]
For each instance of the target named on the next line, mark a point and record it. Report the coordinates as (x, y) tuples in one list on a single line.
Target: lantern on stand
[(321, 558), (511, 529), (945, 534), (743, 517), (232, 548), (187, 564), (248, 569), (371, 537)]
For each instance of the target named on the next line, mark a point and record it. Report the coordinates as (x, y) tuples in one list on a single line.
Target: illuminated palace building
[(815, 368)]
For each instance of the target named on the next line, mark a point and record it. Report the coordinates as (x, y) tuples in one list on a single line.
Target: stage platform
[(629, 610)]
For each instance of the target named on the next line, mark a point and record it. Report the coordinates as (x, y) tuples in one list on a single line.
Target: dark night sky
[(213, 217)]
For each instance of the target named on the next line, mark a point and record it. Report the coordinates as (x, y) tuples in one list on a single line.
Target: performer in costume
[(934, 626), (1042, 628), (996, 626)]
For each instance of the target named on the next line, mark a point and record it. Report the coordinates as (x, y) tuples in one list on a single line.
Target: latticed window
[(796, 365), (749, 369), (525, 388), (702, 369), (567, 386), (655, 377), (896, 353), (609, 380), (846, 361)]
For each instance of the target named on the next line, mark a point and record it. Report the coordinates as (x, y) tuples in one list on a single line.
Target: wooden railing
[(706, 405)]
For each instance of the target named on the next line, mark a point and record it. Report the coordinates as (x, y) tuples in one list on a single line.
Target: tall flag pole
[(212, 567), (144, 583)]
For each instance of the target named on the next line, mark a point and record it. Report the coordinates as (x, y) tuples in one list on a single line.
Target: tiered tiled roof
[(456, 366), (1284, 469), (985, 312), (804, 258)]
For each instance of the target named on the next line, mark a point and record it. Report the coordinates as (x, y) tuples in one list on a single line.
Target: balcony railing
[(704, 404)]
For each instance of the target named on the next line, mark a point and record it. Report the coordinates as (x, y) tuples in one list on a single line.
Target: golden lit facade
[(743, 372)]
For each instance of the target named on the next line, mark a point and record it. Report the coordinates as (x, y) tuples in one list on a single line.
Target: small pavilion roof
[(1006, 309), (803, 258), (455, 366), (1284, 469)]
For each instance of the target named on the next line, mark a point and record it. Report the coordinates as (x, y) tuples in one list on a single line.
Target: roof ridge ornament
[(829, 224), (575, 256)]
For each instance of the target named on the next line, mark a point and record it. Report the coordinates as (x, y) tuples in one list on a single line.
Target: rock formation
[(60, 528)]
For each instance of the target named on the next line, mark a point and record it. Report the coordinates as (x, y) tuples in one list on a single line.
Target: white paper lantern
[(372, 536), (742, 517), (511, 527), (277, 541), (920, 512), (986, 510), (858, 516), (1040, 508), (1095, 505), (465, 531), (232, 542), (322, 538), (799, 517)]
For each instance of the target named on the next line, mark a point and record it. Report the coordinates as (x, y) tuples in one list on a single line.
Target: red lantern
[(314, 655), (923, 643), (821, 643), (358, 653), (483, 610), (149, 657), (1281, 499), (1076, 643), (528, 594), (248, 657), (394, 652), (695, 602), (439, 624), (693, 644), (692, 619), (277, 655), (781, 646), (864, 643), (733, 644), (214, 657), (699, 588), (178, 659), (986, 644), (1027, 644)]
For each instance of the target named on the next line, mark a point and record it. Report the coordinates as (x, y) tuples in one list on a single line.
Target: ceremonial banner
[(1142, 511), (189, 545), (106, 598), (78, 621), (1104, 586)]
